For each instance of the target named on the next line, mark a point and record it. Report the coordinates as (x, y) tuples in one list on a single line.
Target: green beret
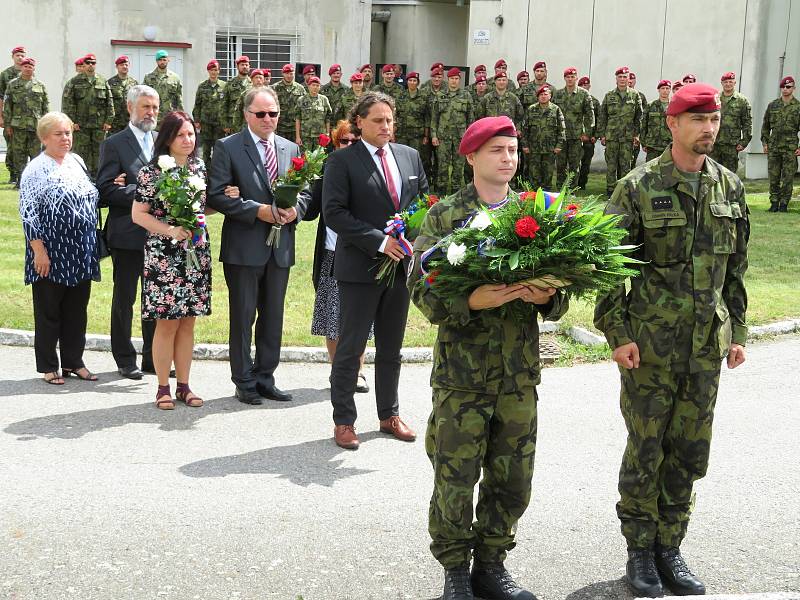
[(161, 54)]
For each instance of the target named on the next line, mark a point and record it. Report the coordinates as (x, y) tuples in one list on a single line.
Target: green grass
[(772, 280)]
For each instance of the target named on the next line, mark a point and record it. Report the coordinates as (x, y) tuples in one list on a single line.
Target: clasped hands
[(492, 295)]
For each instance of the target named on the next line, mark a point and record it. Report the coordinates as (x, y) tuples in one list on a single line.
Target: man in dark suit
[(364, 186), (121, 157), (256, 274)]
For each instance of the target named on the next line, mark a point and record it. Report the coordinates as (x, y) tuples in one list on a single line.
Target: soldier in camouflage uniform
[(576, 104), (500, 67), (433, 82), (411, 109), (431, 89), (479, 90), (167, 84), (618, 128), (235, 88), (632, 85), (9, 73), (589, 145), (309, 71), (452, 114), (736, 128), (501, 102), (366, 71), (120, 84), (289, 92), (543, 139), (485, 372), (88, 102), (257, 80), (334, 89), (523, 79), (779, 139), (349, 97), (24, 104), (207, 110), (314, 116), (685, 312), (478, 72), (656, 136), (389, 86)]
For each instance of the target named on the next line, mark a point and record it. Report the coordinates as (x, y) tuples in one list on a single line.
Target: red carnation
[(432, 199), (526, 227), (324, 140), (525, 196), (298, 162), (573, 207)]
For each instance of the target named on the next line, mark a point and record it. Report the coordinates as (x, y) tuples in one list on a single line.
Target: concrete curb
[(100, 342)]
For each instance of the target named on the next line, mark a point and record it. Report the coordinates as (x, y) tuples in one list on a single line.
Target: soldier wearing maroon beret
[(632, 85), (334, 90), (576, 104), (655, 134), (120, 84), (452, 113), (779, 131), (687, 217), (501, 66), (235, 88), (207, 111), (9, 73), (523, 79), (482, 415), (389, 85), (736, 126), (289, 92), (366, 71), (588, 146)]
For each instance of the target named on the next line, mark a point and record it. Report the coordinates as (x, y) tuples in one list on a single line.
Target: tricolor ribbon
[(396, 228)]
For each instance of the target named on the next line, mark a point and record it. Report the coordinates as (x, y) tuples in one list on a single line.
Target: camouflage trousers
[(428, 155), (285, 132), (781, 165), (86, 144), (654, 153), (468, 432), (209, 135), (727, 156), (24, 145), (412, 139), (9, 160), (450, 168), (635, 148), (541, 166), (569, 162), (618, 162), (668, 414), (310, 138), (586, 163)]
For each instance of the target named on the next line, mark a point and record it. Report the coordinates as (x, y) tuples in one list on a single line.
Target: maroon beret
[(17, 49), (522, 74), (483, 130), (543, 89), (695, 98), (313, 79), (437, 71), (454, 72), (412, 75), (254, 72), (501, 74), (362, 68), (287, 68), (689, 76), (480, 68), (480, 79), (28, 61), (79, 61), (570, 71), (266, 73), (728, 75), (631, 75), (213, 63), (584, 80), (622, 71), (501, 62), (242, 58), (121, 59), (664, 82), (677, 85), (387, 68), (90, 56), (540, 64), (334, 68), (787, 79), (309, 69), (356, 77), (437, 65)]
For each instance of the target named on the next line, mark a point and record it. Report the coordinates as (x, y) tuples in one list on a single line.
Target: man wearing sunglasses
[(256, 274), (779, 138)]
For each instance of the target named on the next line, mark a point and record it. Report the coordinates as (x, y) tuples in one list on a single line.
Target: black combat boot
[(773, 207), (456, 584), (676, 574), (783, 208), (493, 582), (642, 575)]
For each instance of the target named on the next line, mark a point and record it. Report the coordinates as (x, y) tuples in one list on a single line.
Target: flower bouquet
[(181, 192), (537, 239), (404, 227), (286, 188)]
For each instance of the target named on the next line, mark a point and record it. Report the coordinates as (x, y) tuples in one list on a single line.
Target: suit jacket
[(356, 204), (120, 153), (313, 211), (238, 162)]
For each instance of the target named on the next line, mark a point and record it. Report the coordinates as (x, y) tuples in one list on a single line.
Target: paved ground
[(104, 497)]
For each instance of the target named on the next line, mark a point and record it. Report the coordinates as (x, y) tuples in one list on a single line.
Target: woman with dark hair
[(174, 290)]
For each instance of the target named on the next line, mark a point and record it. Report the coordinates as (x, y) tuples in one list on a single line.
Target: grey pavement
[(104, 497)]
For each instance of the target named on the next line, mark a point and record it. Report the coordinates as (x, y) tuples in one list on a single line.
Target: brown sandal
[(164, 398), (82, 373), (187, 396), (56, 379)]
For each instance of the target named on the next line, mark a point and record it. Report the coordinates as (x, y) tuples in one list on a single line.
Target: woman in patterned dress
[(58, 206)]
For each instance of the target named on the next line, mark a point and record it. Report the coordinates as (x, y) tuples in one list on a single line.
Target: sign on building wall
[(481, 37)]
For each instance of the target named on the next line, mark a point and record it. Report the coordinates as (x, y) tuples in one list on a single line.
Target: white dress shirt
[(140, 136), (260, 147), (393, 169)]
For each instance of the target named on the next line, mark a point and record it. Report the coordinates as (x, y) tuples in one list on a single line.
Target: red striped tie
[(387, 174), (270, 162)]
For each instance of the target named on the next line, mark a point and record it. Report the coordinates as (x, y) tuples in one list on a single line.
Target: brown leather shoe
[(345, 436), (398, 429)]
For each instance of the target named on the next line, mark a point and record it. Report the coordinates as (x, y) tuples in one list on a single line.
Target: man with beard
[(235, 88), (120, 85), (686, 214), (166, 83), (207, 104), (736, 127)]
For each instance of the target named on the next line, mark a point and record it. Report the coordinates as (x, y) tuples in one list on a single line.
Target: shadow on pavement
[(614, 589), (316, 462), (72, 385), (77, 424)]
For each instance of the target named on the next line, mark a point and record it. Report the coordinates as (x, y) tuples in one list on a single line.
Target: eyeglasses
[(788, 86), (273, 114), (90, 62), (347, 141)]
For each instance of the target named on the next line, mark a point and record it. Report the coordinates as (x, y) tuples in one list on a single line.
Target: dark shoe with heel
[(642, 575), (675, 573), (82, 373), (493, 582), (457, 585)]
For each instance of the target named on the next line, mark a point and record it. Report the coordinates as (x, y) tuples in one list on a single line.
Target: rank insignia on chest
[(662, 203)]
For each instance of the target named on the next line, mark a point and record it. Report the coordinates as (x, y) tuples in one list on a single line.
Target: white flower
[(195, 206), (456, 253), (481, 221), (196, 182), (166, 162)]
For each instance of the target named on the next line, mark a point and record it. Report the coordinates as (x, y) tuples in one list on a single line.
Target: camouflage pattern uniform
[(779, 131), (88, 102), (490, 84), (485, 372), (588, 147), (544, 132), (527, 94), (395, 90), (683, 312), (234, 89), (429, 152), (169, 88), (25, 102), (334, 95), (6, 76), (314, 114), (637, 146), (735, 128), (119, 91), (619, 122), (411, 112), (495, 105), (208, 112), (288, 95), (656, 136), (452, 114), (346, 102), (579, 120)]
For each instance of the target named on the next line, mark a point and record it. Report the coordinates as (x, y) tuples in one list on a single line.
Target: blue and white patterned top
[(58, 205)]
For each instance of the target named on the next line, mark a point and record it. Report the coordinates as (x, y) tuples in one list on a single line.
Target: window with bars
[(265, 50)]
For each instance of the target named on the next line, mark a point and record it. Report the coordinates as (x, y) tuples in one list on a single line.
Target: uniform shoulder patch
[(661, 203)]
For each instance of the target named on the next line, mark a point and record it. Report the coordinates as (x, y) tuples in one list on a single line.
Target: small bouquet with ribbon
[(404, 227), (286, 188), (182, 191), (538, 239)]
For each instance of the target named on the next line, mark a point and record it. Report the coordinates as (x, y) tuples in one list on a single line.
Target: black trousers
[(256, 295), (59, 315), (360, 305), (128, 265)]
